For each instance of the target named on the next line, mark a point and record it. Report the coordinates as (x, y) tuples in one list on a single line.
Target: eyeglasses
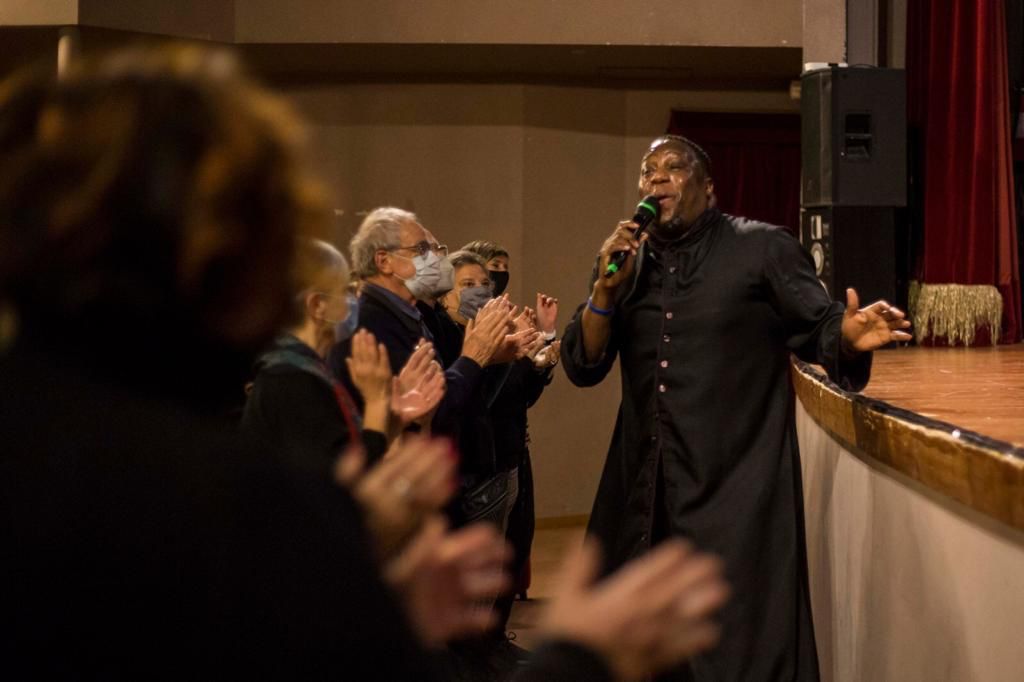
[(423, 248)]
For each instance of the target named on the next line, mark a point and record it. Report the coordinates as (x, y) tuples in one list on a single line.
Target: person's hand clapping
[(526, 320), (547, 313), (447, 580), (369, 367), (548, 355), (486, 333), (652, 613), (517, 345), (416, 478), (370, 370), (419, 387)]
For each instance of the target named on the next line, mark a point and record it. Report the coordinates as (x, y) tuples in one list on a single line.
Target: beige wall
[(199, 19), (824, 30), (38, 12), (545, 170), (905, 585), (750, 23)]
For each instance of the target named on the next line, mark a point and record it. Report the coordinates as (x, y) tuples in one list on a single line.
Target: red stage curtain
[(957, 100), (755, 161)]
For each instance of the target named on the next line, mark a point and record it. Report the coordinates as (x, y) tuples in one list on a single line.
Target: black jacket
[(141, 537), (296, 412), (400, 333), (144, 538)]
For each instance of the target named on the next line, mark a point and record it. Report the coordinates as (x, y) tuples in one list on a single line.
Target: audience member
[(521, 390), (298, 407)]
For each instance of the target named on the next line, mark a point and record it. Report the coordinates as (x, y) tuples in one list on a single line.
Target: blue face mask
[(346, 328)]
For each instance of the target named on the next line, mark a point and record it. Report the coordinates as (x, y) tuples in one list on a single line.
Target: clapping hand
[(525, 320), (416, 478), (865, 329), (419, 387), (547, 313), (447, 580), (485, 334), (651, 614), (548, 355), (369, 367)]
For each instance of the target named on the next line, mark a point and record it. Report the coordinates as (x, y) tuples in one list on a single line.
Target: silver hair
[(379, 230)]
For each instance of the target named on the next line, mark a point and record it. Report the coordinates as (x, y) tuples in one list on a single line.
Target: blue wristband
[(600, 311)]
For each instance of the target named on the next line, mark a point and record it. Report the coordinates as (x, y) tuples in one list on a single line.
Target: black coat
[(400, 333), (704, 334), (141, 537), (144, 538), (296, 413)]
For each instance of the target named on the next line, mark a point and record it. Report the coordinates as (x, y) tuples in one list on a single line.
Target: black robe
[(705, 441)]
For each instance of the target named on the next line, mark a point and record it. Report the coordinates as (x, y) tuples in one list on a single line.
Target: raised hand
[(547, 313), (526, 320), (369, 367), (652, 613), (486, 333), (622, 239), (415, 479), (865, 329), (419, 387), (447, 580)]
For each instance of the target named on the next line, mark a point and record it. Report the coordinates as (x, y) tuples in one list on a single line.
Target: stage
[(914, 513), (974, 389)]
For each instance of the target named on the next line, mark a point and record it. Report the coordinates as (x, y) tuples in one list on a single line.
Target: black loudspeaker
[(855, 246), (854, 137)]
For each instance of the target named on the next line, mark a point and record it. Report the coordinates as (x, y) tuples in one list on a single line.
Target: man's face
[(411, 236), (669, 172), (434, 244)]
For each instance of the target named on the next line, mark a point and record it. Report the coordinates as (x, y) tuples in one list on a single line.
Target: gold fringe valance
[(955, 311)]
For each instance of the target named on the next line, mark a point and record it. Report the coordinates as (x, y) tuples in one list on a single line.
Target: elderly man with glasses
[(399, 262)]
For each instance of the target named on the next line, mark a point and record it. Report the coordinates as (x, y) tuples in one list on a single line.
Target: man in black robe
[(704, 314)]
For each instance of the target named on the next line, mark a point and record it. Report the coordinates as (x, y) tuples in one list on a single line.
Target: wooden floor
[(549, 546), (978, 389)]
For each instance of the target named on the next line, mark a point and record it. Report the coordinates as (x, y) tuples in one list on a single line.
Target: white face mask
[(427, 277)]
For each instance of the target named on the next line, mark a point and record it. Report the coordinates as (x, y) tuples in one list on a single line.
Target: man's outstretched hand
[(871, 327)]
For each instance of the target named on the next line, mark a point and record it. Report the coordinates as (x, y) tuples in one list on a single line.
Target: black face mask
[(499, 280)]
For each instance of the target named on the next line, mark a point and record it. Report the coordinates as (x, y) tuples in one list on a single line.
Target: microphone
[(646, 213)]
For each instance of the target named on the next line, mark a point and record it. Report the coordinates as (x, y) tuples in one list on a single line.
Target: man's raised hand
[(869, 328)]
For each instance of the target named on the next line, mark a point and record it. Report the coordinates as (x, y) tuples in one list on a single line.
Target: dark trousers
[(520, 535)]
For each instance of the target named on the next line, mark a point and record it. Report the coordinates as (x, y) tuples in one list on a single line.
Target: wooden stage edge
[(981, 472)]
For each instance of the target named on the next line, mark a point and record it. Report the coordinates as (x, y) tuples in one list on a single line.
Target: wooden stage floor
[(977, 389)]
